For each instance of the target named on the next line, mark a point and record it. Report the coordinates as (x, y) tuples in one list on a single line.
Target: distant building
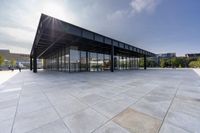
[(22, 60), (166, 55), (163, 56), (194, 55)]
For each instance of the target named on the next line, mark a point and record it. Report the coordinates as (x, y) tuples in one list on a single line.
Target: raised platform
[(138, 101)]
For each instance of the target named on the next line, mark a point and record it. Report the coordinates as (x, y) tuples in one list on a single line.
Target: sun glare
[(58, 10)]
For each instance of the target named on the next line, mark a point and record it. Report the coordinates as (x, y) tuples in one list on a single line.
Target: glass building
[(69, 48)]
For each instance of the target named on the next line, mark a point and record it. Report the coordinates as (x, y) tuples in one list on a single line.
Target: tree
[(162, 63), (174, 62), (151, 63), (195, 64), (13, 62), (1, 60), (141, 62)]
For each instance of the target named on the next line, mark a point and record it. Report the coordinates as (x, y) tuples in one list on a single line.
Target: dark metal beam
[(52, 44)]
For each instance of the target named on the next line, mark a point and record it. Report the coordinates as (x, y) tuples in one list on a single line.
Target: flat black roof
[(53, 33)]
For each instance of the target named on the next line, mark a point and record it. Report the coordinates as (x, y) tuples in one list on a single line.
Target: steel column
[(35, 61), (145, 62), (112, 59), (31, 65), (87, 64)]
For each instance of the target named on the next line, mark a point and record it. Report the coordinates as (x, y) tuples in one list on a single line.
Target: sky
[(158, 26)]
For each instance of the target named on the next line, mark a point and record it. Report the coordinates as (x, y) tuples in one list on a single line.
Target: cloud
[(117, 14), (144, 5), (19, 19), (134, 7), (17, 34)]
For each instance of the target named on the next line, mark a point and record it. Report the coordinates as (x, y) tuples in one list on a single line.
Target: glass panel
[(100, 62), (93, 61), (63, 59), (74, 60), (83, 60), (59, 60), (46, 63), (131, 62), (115, 62), (107, 62), (67, 59), (137, 63), (118, 63), (125, 62), (54, 62), (128, 63)]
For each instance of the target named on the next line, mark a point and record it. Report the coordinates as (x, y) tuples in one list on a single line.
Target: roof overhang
[(53, 33)]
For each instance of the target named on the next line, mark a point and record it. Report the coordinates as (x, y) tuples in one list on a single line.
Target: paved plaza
[(135, 101)]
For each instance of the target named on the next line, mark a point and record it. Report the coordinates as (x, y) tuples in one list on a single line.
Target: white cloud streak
[(143, 5), (136, 7)]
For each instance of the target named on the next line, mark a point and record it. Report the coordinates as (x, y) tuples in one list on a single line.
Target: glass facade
[(71, 59)]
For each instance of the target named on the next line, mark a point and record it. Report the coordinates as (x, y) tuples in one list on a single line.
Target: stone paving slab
[(137, 122), (6, 126), (111, 127), (85, 121), (57, 126), (5, 75), (151, 101), (29, 121)]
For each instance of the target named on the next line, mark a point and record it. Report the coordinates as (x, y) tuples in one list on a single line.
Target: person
[(19, 68)]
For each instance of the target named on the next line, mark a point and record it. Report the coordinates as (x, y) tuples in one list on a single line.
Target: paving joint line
[(109, 119), (169, 107), (17, 107), (55, 111), (121, 112)]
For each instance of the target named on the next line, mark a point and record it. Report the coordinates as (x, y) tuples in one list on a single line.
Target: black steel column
[(87, 64), (35, 61), (31, 65), (69, 60), (145, 62), (112, 59)]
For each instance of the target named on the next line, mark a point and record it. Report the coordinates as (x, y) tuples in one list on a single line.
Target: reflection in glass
[(106, 63), (83, 61), (116, 62), (60, 60), (67, 59), (100, 62), (74, 60), (93, 61), (63, 59)]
